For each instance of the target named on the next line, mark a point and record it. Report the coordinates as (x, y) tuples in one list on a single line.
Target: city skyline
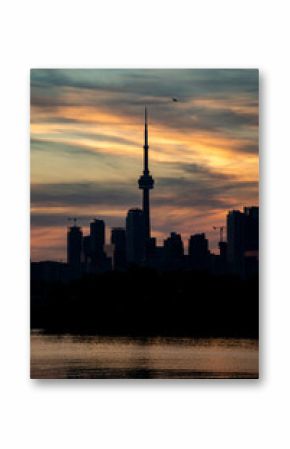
[(135, 246), (86, 149)]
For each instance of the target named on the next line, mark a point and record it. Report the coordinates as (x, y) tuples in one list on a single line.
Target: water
[(67, 356)]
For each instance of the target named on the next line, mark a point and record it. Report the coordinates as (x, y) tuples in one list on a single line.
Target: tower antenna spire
[(146, 182), (146, 145)]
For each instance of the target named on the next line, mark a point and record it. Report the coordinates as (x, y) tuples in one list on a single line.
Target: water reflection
[(86, 357)]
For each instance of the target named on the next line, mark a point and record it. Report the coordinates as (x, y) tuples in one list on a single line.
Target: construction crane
[(221, 229)]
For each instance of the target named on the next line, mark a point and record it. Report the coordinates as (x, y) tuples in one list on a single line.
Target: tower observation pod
[(146, 182)]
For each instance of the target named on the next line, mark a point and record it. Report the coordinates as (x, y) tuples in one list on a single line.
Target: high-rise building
[(135, 236), (146, 183), (74, 246), (97, 242), (251, 241), (198, 245), (235, 235), (173, 246), (243, 240), (251, 231), (198, 251), (236, 240), (118, 240)]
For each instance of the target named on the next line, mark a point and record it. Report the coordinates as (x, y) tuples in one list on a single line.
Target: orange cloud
[(122, 137)]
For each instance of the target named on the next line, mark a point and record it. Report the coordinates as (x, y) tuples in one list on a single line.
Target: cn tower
[(146, 182)]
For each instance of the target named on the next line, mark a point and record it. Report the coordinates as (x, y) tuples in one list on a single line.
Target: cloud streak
[(87, 137)]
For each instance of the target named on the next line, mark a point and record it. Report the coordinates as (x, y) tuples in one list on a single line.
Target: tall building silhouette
[(243, 240), (198, 245), (198, 251), (173, 252), (236, 240), (135, 236), (97, 242), (173, 246), (251, 231), (146, 183), (74, 246)]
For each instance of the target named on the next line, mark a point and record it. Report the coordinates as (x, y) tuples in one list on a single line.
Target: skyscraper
[(135, 236), (198, 245), (173, 246), (236, 240), (251, 231), (146, 183), (198, 251), (97, 242), (243, 240), (74, 246)]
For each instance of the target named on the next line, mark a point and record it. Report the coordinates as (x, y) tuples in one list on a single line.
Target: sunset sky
[(87, 131)]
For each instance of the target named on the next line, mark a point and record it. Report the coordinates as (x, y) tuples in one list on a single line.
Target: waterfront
[(93, 357)]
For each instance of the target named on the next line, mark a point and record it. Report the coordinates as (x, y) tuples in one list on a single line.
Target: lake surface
[(81, 357)]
